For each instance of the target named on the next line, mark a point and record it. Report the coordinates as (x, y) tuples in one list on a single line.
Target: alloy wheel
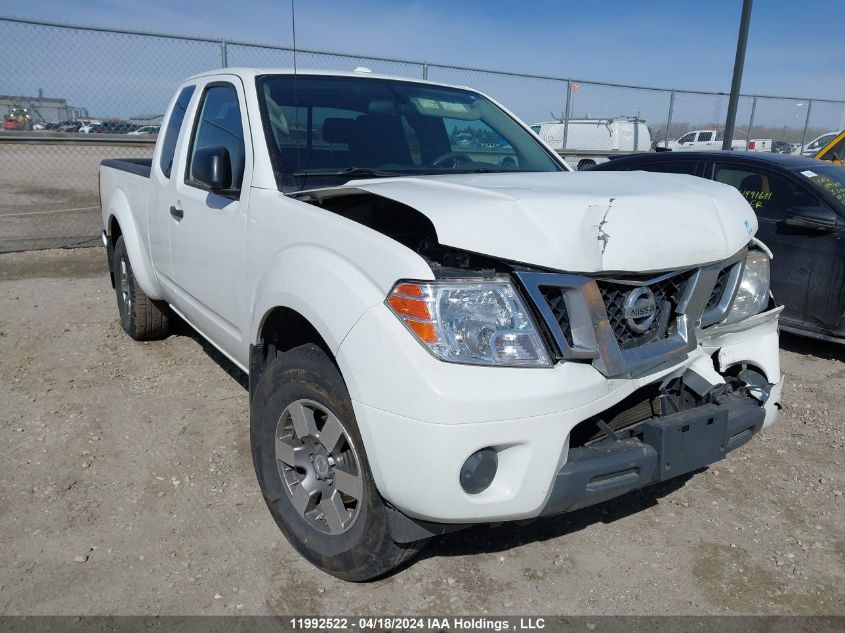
[(319, 466)]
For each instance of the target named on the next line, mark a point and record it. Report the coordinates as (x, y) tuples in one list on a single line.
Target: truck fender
[(325, 287), (119, 209)]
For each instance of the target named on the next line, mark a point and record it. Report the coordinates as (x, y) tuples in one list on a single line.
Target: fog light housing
[(479, 470)]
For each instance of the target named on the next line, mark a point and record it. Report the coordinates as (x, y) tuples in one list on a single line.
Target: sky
[(793, 50)]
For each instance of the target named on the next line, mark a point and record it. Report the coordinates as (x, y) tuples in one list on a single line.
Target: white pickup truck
[(711, 140), (438, 336)]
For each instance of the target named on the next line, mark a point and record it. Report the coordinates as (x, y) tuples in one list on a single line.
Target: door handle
[(177, 214)]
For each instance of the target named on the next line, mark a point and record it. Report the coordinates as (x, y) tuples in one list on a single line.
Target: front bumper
[(420, 418), (670, 446)]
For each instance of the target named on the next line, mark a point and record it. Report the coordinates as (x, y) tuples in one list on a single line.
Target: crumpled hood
[(581, 222)]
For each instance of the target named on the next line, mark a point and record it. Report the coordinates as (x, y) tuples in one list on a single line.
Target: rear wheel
[(142, 318), (313, 470)]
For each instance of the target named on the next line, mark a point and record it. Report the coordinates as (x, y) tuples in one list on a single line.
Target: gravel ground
[(127, 488), (50, 192)]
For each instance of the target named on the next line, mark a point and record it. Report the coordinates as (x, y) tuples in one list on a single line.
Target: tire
[(351, 541), (141, 317)]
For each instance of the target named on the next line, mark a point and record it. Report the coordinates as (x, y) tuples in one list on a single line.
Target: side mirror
[(212, 167), (819, 219)]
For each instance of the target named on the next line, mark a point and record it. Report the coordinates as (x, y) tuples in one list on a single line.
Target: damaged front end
[(662, 431), (647, 375)]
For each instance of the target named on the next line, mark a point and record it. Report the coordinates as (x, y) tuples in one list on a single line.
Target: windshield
[(830, 178), (821, 141), (336, 128)]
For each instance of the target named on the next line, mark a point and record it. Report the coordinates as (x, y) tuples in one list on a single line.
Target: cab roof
[(249, 74)]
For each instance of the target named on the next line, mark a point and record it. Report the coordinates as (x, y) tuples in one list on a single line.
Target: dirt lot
[(127, 488), (50, 192)]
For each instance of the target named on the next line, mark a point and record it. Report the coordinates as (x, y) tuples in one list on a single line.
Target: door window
[(219, 125), (821, 141), (769, 195), (687, 138), (174, 124), (705, 136)]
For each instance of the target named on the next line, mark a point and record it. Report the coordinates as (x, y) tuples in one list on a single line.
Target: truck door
[(207, 229), (163, 186), (705, 141), (686, 142), (804, 261)]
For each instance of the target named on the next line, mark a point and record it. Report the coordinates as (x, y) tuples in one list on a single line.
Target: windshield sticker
[(833, 187), (432, 106), (453, 107), (427, 104), (808, 173)]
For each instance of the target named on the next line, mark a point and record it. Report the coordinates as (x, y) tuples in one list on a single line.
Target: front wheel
[(313, 470)]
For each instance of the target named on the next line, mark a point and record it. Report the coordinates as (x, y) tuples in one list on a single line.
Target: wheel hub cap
[(319, 467)]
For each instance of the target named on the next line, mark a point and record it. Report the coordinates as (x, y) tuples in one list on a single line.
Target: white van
[(620, 134)]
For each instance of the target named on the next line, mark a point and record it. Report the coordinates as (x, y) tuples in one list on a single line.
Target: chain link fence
[(72, 96)]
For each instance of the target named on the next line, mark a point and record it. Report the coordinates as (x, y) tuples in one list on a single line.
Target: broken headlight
[(753, 293), (478, 323)]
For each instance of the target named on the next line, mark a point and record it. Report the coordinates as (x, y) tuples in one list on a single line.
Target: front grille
[(625, 324), (554, 297), (667, 294), (718, 289)]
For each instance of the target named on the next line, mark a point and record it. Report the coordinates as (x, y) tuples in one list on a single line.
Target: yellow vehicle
[(834, 151)]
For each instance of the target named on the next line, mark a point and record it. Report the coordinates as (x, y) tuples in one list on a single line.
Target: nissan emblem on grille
[(639, 309)]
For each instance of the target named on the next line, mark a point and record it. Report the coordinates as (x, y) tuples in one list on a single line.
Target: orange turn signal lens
[(411, 290), (406, 306), (424, 330), (409, 302)]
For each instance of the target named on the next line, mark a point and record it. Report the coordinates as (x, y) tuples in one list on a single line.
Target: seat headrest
[(753, 182), (382, 107), (337, 130)]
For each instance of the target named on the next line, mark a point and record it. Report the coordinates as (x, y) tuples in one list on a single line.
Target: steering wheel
[(451, 160)]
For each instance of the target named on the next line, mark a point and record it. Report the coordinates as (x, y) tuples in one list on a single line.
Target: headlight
[(480, 323), (753, 293)]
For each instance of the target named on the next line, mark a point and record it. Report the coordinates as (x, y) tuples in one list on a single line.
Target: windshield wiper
[(363, 172)]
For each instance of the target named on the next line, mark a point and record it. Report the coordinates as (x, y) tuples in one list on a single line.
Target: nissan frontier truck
[(443, 326)]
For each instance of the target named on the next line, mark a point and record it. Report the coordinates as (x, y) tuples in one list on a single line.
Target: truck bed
[(139, 166)]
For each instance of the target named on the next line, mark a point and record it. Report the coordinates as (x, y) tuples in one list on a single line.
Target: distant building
[(41, 109)]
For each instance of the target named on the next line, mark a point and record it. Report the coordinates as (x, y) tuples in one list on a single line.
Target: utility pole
[(739, 62)]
